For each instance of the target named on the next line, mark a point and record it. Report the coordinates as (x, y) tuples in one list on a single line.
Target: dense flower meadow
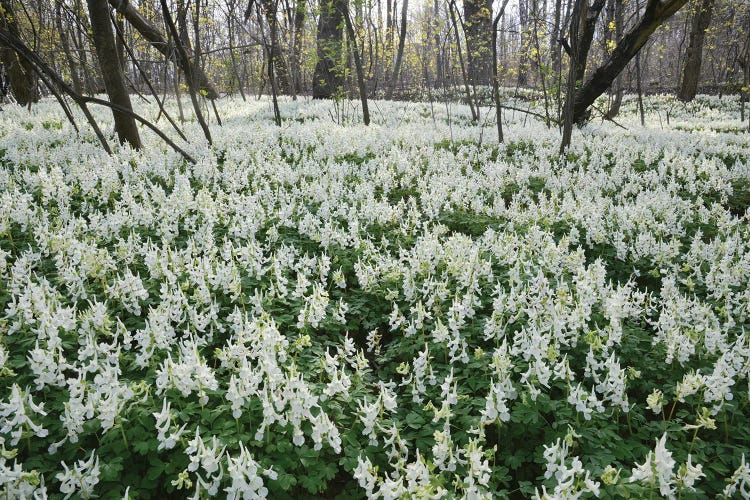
[(402, 310)]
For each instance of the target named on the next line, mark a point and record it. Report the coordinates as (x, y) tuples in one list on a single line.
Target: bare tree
[(400, 52), (329, 76), (20, 73), (654, 15), (691, 71), (158, 41), (114, 81), (581, 34), (478, 29)]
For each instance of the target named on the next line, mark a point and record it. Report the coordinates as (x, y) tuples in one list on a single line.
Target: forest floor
[(325, 309)]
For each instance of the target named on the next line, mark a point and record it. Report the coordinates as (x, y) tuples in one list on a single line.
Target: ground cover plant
[(409, 309)]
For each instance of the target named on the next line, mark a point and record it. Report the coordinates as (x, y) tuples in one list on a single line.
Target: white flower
[(245, 474), (15, 415), (688, 474), (81, 479), (655, 401), (659, 465), (739, 482)]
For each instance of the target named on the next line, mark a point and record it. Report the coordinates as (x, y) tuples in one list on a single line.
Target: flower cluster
[(406, 310)]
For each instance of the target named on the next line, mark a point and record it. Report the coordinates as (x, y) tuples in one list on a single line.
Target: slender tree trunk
[(329, 77), (478, 31), (19, 72), (657, 11), (178, 96), (299, 31), (400, 54), (182, 54), (120, 45), (579, 10), (72, 65), (158, 41), (691, 71), (390, 14), (467, 87), (538, 62), (360, 72), (523, 48), (582, 27), (614, 108), (114, 81), (439, 66), (495, 76), (639, 89), (554, 39), (745, 63)]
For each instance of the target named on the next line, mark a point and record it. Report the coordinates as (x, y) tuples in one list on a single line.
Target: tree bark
[(72, 65), (19, 72), (270, 11), (523, 27), (617, 17), (582, 27), (328, 78), (439, 68), (360, 72), (495, 75), (299, 27), (657, 11), (400, 52), (157, 40), (478, 31), (114, 81), (181, 52), (691, 71), (554, 42), (467, 87)]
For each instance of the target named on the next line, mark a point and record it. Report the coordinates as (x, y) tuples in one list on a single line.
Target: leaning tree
[(581, 93)]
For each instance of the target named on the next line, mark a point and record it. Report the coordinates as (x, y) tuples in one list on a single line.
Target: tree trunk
[(157, 40), (400, 54), (72, 65), (360, 72), (523, 27), (467, 87), (328, 78), (296, 63), (439, 68), (691, 71), (655, 14), (495, 75), (232, 55), (181, 53), (270, 11), (617, 14), (114, 81), (745, 91), (120, 45), (582, 27), (19, 72), (554, 41), (639, 90), (478, 31)]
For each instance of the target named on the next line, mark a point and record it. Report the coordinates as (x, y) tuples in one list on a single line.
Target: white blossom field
[(405, 310)]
